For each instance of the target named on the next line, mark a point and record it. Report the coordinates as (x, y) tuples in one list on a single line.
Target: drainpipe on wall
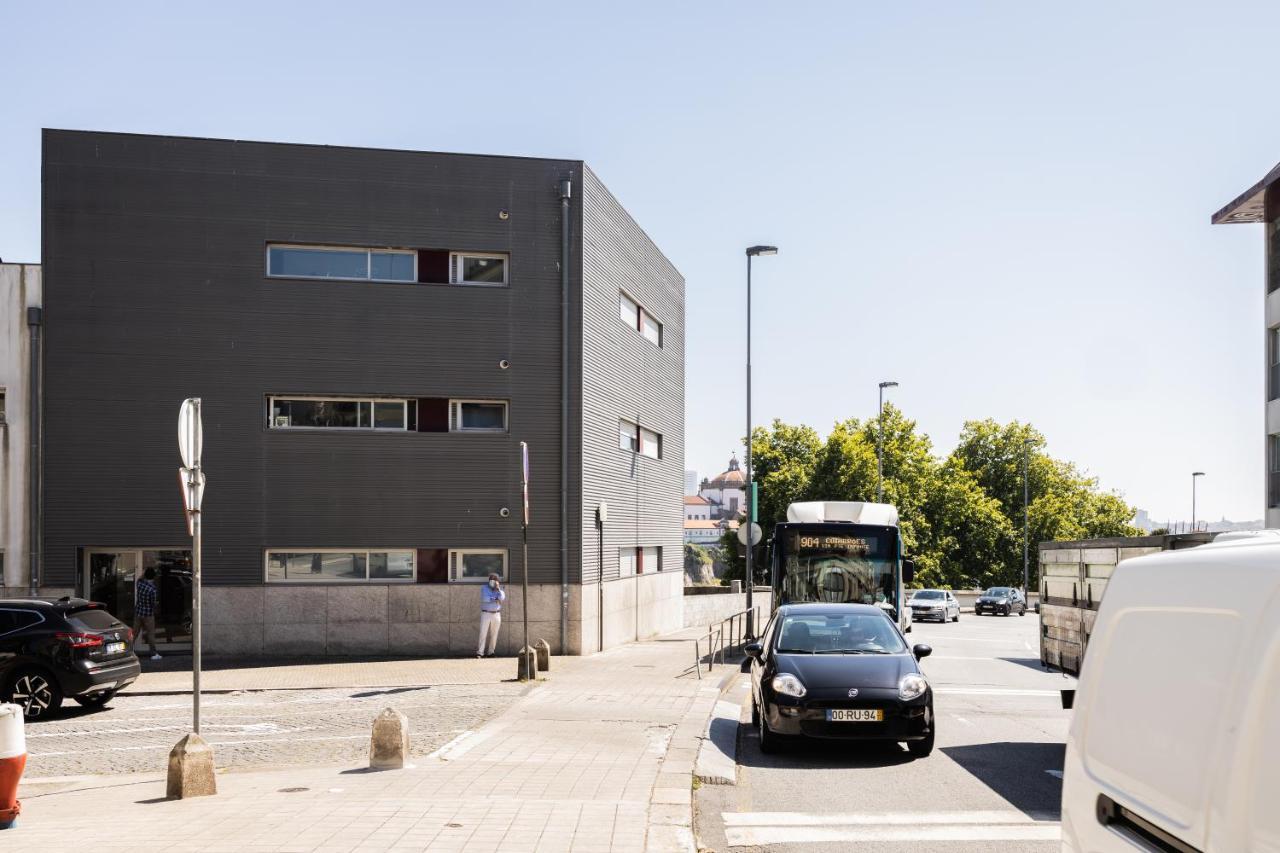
[(566, 191), (33, 464)]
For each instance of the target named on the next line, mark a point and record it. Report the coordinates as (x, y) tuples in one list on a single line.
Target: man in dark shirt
[(144, 611)]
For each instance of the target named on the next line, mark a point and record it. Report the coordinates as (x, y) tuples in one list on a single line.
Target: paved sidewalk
[(598, 758), (173, 674)]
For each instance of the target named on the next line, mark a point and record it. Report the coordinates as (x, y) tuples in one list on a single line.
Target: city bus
[(841, 551)]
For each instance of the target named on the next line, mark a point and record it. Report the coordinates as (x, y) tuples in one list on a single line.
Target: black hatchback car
[(69, 647), (1001, 600), (839, 671)]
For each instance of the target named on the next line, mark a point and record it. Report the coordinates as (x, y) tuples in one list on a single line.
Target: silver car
[(937, 604)]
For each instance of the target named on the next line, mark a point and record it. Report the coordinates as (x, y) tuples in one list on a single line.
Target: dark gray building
[(372, 334)]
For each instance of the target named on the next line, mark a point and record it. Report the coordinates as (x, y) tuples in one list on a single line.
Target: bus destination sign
[(845, 544)]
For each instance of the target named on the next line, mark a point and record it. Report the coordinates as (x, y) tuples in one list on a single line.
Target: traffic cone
[(13, 760)]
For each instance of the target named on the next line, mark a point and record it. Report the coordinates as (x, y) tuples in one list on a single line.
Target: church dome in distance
[(731, 479)]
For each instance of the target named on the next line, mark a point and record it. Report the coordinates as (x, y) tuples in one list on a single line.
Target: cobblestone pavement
[(273, 728)]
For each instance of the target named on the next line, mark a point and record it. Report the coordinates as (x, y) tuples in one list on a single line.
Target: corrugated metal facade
[(156, 291), (626, 376)]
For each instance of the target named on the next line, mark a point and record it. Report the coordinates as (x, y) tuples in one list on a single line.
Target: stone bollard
[(191, 769), (735, 587), (543, 649), (389, 743), (527, 664)]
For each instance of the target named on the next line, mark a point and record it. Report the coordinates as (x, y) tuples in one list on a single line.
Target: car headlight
[(788, 685), (912, 686)]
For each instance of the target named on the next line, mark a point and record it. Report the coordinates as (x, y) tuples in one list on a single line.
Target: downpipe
[(566, 193)]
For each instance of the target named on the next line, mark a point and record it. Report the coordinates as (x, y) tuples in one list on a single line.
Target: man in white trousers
[(491, 598)]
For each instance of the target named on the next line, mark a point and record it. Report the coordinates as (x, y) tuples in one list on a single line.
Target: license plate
[(115, 648), (855, 715)]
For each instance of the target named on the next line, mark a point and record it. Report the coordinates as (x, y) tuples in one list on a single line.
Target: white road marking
[(763, 828), (446, 752), (1055, 773), (994, 691), (961, 720)]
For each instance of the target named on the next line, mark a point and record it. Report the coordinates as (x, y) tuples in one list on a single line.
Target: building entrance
[(109, 576)]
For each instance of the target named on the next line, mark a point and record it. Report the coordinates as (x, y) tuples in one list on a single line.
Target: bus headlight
[(788, 685), (912, 686)]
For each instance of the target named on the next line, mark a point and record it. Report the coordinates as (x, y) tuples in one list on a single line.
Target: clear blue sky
[(1003, 206)]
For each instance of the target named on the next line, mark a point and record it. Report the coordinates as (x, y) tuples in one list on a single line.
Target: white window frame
[(641, 563), (634, 310), (631, 560), (455, 268), (655, 443), (368, 262), (633, 434), (271, 402), (455, 563), (455, 416), (266, 565), (645, 315), (636, 322)]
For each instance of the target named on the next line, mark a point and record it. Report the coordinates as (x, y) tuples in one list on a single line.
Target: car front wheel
[(768, 740), (36, 692)]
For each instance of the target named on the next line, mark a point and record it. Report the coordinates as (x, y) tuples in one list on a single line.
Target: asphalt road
[(993, 782), (264, 728)]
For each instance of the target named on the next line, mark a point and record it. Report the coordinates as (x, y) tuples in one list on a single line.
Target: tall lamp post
[(880, 443), (753, 251), (1026, 510), (1194, 474)]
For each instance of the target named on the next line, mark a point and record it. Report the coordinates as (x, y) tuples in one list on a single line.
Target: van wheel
[(35, 691)]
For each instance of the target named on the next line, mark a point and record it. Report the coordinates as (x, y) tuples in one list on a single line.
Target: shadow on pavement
[(1029, 663), (1017, 772), (802, 754)]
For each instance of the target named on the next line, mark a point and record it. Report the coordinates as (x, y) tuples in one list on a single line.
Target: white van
[(1175, 742)]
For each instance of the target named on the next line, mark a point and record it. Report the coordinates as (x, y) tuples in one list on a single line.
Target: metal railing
[(729, 633)]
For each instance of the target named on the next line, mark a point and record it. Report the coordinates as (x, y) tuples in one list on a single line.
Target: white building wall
[(19, 289)]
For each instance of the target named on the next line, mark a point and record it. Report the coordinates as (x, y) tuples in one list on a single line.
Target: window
[(476, 564), (626, 562), (1273, 471), (346, 264), (636, 317), (341, 413), (650, 444), (477, 416), (1, 405), (339, 566), (1273, 364), (628, 436), (477, 268), (639, 561)]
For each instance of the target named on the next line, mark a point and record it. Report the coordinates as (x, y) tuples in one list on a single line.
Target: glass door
[(110, 577)]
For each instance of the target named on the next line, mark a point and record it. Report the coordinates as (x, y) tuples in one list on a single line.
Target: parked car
[(937, 604), (1174, 742), (64, 648), (1001, 600), (839, 671)]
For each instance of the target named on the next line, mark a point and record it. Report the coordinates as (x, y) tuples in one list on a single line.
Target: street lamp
[(880, 443), (1026, 509), (1194, 474), (752, 252)]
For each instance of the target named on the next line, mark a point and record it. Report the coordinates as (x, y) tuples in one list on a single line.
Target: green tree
[(782, 461)]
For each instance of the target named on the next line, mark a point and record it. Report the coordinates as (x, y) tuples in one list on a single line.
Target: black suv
[(50, 649)]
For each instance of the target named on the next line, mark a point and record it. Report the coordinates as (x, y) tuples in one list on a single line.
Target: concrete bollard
[(389, 743), (527, 664), (191, 769), (13, 758), (544, 655), (735, 587)]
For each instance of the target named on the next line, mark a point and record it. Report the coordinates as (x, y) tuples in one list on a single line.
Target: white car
[(938, 604), (1175, 739)]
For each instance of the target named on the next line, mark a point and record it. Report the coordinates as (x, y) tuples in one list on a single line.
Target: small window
[(339, 566), (477, 268), (650, 444), (628, 436), (478, 416), (346, 264), (650, 328), (629, 311), (650, 560), (1, 405), (474, 565), (340, 413), (627, 562)]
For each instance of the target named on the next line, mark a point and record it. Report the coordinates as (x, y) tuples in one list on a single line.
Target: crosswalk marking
[(763, 828)]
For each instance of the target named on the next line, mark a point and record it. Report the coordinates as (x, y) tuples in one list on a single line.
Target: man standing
[(144, 611), (491, 598)]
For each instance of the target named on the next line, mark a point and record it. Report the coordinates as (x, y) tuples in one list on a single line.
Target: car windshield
[(847, 633), (1000, 591), (927, 593)]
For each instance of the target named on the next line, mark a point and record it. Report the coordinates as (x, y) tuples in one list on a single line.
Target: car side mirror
[(753, 650), (920, 650), (908, 570)]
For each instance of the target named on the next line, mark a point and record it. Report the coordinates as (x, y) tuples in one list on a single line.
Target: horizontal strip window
[(477, 416), (483, 268), (342, 263), (639, 561), (337, 565), (637, 439), (474, 565), (635, 316), (342, 413)]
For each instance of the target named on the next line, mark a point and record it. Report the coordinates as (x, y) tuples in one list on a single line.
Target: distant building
[(726, 494), (19, 291), (706, 532), (690, 482), (696, 508)]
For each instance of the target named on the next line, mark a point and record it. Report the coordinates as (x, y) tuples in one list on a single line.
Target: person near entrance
[(491, 597), (144, 611)]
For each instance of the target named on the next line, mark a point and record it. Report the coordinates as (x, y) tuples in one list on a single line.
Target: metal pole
[(1193, 503), (34, 478), (750, 578), (880, 449), (1026, 493), (196, 533), (600, 574)]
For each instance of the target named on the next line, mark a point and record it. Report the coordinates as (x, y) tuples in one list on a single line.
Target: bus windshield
[(841, 566)]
